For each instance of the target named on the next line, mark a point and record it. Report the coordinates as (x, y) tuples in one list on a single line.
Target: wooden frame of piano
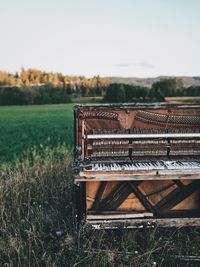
[(166, 197)]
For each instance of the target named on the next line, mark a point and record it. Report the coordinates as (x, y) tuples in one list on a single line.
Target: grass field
[(23, 127), (183, 100), (36, 215)]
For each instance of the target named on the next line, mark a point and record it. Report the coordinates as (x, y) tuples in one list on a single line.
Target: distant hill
[(187, 81)]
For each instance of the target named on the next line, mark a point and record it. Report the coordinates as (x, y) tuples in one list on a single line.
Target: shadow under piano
[(137, 165)]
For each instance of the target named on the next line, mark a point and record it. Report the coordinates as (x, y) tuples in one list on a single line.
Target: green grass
[(25, 127), (87, 99), (183, 100)]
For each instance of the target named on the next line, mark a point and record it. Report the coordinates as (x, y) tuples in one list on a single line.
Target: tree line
[(37, 87), (46, 94), (32, 77), (164, 88)]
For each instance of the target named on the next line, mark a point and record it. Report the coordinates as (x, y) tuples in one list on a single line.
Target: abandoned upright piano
[(137, 165)]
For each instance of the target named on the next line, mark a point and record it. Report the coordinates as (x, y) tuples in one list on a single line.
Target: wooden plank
[(161, 190), (99, 195), (120, 172), (141, 172), (115, 197), (113, 204), (176, 196), (129, 177), (143, 136), (181, 172), (178, 183), (141, 197), (135, 223), (116, 191), (118, 216)]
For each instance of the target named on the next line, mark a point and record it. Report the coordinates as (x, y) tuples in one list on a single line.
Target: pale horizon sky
[(128, 38)]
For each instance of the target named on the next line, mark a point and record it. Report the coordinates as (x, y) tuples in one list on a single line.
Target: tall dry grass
[(36, 224), (35, 204)]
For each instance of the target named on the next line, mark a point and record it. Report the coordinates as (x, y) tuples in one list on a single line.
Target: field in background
[(23, 128), (183, 100), (87, 99)]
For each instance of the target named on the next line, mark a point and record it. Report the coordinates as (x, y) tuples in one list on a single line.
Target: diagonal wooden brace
[(176, 196), (141, 197)]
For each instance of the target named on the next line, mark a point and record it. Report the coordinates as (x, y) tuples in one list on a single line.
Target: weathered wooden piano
[(137, 165)]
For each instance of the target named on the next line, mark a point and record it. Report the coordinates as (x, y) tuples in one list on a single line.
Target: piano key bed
[(154, 165)]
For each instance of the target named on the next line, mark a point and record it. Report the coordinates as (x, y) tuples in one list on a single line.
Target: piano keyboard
[(152, 165), (178, 165)]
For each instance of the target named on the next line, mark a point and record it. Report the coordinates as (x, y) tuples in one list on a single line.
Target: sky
[(128, 38)]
